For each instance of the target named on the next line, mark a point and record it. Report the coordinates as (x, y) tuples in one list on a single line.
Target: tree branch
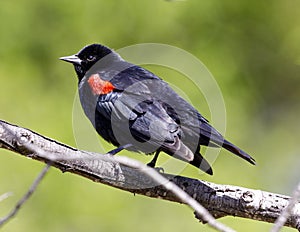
[(219, 200)]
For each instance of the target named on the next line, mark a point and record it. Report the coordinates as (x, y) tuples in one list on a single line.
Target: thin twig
[(26, 196), (5, 195), (285, 214)]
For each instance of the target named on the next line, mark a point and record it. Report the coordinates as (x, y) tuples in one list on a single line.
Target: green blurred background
[(251, 48)]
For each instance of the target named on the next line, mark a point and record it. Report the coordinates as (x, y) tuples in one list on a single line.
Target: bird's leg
[(117, 150), (153, 161)]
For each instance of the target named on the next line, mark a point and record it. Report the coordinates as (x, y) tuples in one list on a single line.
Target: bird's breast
[(99, 86)]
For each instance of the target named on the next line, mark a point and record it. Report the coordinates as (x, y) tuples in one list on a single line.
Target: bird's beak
[(74, 59)]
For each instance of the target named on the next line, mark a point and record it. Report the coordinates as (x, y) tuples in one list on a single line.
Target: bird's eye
[(90, 58)]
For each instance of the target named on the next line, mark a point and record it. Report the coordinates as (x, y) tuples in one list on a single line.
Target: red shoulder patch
[(99, 86)]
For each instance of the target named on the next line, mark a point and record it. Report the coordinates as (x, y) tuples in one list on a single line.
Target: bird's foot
[(151, 164)]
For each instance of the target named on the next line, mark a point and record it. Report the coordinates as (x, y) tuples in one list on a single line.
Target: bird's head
[(87, 57)]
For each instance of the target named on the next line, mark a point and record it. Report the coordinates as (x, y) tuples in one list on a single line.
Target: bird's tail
[(237, 151), (213, 138)]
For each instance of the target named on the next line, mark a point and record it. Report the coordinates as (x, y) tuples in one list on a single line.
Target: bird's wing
[(140, 85), (150, 125)]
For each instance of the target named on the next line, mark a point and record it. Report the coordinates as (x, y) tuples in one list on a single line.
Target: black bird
[(128, 104)]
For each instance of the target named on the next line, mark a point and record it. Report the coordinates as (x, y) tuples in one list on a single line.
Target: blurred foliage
[(251, 48)]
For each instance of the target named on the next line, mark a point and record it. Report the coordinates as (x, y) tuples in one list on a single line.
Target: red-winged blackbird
[(128, 104)]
